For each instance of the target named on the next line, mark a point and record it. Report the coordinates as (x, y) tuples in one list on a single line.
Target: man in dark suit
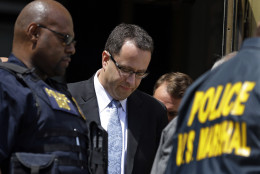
[(125, 61)]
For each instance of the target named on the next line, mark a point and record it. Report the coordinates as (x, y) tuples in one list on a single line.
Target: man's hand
[(3, 59)]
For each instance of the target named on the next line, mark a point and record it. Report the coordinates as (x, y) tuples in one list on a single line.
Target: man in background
[(169, 89), (224, 59)]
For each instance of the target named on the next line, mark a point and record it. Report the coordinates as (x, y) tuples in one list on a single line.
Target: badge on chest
[(60, 101)]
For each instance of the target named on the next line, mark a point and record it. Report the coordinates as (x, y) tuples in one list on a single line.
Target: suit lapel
[(89, 103), (135, 121)]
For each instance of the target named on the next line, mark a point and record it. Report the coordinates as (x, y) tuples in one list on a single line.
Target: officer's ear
[(33, 32)]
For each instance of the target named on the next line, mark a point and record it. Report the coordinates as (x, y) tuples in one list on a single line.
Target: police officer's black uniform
[(218, 128), (41, 118)]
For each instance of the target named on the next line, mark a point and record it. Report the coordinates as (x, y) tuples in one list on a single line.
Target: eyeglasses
[(67, 39), (127, 72)]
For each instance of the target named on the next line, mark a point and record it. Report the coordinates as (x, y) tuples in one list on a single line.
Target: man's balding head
[(257, 31)]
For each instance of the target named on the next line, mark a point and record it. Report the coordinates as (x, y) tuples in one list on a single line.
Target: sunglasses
[(66, 38)]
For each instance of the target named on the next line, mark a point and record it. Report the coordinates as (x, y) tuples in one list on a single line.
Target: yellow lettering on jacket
[(223, 138), (210, 105), (185, 142)]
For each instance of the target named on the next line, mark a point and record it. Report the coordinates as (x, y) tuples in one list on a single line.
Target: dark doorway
[(187, 34)]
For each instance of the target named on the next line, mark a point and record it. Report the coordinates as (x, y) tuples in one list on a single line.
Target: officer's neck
[(41, 74)]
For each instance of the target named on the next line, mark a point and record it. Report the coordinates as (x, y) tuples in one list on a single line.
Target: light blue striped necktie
[(114, 139)]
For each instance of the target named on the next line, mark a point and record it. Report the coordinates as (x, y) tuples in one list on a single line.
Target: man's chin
[(60, 74), (59, 78)]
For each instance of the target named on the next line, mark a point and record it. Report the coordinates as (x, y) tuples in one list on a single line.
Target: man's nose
[(70, 49), (131, 79)]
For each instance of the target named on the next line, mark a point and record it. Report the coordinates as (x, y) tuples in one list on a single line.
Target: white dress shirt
[(103, 99)]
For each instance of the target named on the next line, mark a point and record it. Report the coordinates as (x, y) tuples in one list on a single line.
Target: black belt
[(66, 133), (65, 161), (64, 147)]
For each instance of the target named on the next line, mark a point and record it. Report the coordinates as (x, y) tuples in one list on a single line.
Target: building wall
[(254, 15)]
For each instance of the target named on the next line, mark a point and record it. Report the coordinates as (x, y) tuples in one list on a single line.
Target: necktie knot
[(115, 103)]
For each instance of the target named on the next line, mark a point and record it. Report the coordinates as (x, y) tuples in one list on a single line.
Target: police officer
[(218, 125), (41, 126)]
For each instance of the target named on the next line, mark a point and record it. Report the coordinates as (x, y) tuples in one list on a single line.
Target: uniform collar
[(15, 60)]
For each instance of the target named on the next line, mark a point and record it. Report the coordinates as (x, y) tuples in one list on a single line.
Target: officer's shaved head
[(36, 42), (38, 11)]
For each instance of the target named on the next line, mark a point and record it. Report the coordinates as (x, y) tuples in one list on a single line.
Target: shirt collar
[(103, 97)]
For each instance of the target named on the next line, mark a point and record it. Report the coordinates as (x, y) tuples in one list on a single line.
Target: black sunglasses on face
[(127, 72), (66, 38)]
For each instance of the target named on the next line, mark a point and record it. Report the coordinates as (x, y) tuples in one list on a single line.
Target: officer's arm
[(0, 171)]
